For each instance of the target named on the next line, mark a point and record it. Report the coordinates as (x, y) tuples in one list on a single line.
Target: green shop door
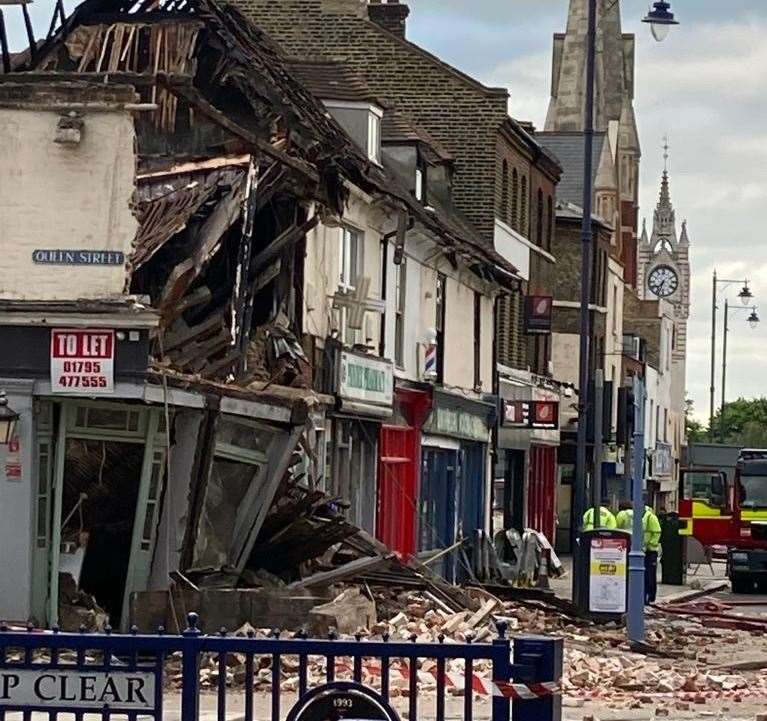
[(108, 471)]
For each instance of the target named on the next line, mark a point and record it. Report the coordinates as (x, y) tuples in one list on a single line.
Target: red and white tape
[(479, 685), (526, 691)]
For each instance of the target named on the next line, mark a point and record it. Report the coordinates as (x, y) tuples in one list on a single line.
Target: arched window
[(550, 229), (523, 207), (514, 199), (504, 213), (539, 219)]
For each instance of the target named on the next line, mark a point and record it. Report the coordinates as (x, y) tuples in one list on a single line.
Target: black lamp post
[(746, 296), (753, 322), (8, 420), (660, 20)]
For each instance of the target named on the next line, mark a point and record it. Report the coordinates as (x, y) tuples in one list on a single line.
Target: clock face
[(663, 281)]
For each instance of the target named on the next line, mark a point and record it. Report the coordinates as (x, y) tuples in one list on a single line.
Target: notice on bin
[(607, 569)]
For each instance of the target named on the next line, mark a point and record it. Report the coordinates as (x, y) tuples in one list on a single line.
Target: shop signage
[(607, 575), (55, 256), (531, 414), (365, 378), (13, 461), (538, 314), (662, 462), (124, 691), (457, 422), (82, 361)]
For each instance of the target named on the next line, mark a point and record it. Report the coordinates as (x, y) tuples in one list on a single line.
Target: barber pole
[(430, 362)]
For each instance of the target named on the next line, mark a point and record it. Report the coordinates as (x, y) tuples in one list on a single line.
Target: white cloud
[(706, 88)]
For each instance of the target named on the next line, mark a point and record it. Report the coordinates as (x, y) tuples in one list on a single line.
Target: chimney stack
[(390, 15)]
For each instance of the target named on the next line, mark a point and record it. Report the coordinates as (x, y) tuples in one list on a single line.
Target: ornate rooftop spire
[(683, 239), (644, 239), (664, 218)]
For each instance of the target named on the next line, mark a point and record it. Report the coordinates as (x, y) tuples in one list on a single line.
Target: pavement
[(701, 577), (754, 604)]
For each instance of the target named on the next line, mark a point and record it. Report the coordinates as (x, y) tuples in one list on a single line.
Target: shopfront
[(105, 493), (365, 398), (84, 473), (398, 469), (454, 491), (526, 472)]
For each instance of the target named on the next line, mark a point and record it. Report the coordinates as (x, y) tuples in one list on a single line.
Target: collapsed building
[(203, 316)]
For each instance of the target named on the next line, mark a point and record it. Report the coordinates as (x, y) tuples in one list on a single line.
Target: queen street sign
[(77, 257)]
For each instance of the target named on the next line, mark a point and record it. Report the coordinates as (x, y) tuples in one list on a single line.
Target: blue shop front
[(454, 493)]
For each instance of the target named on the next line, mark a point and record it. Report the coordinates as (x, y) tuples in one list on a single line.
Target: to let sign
[(82, 361), (76, 689)]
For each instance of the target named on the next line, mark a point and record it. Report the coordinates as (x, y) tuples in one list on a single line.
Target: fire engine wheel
[(742, 584)]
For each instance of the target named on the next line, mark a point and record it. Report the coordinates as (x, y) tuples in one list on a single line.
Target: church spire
[(614, 71)]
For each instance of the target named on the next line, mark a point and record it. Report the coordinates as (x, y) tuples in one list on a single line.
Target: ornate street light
[(746, 298), (753, 322), (8, 420), (660, 19)]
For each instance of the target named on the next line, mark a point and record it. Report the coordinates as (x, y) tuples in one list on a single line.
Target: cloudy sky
[(705, 87)]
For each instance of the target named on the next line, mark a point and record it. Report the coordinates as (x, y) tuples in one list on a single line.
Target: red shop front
[(541, 489), (398, 470), (526, 476)]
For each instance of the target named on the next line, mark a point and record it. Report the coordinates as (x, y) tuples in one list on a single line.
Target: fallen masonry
[(599, 666)]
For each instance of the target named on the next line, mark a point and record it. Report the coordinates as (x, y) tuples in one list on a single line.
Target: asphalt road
[(745, 604)]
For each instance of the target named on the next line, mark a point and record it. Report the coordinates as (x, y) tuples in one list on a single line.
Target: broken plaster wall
[(175, 508), (423, 261), (65, 196), (322, 268)]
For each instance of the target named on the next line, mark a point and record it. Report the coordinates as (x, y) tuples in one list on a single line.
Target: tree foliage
[(744, 423), (694, 429)]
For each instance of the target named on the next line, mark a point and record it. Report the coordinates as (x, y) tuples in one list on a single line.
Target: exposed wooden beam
[(209, 236), (273, 250), (351, 568), (185, 90)]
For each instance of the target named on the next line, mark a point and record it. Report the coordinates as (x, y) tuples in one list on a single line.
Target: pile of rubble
[(598, 662), (78, 609)]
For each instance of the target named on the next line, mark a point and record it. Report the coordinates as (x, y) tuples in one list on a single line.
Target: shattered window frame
[(85, 421), (351, 242), (210, 539)]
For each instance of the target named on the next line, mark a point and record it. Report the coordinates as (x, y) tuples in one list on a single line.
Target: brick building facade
[(469, 119)]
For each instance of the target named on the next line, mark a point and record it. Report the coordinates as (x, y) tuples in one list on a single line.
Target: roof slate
[(568, 149), (332, 80)]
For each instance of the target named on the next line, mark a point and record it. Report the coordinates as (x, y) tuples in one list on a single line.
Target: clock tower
[(663, 272), (664, 263)]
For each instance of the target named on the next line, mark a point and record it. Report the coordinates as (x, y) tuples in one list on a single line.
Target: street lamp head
[(753, 319), (745, 294), (660, 19), (8, 419)]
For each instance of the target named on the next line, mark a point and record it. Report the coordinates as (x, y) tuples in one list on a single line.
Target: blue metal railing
[(111, 674)]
